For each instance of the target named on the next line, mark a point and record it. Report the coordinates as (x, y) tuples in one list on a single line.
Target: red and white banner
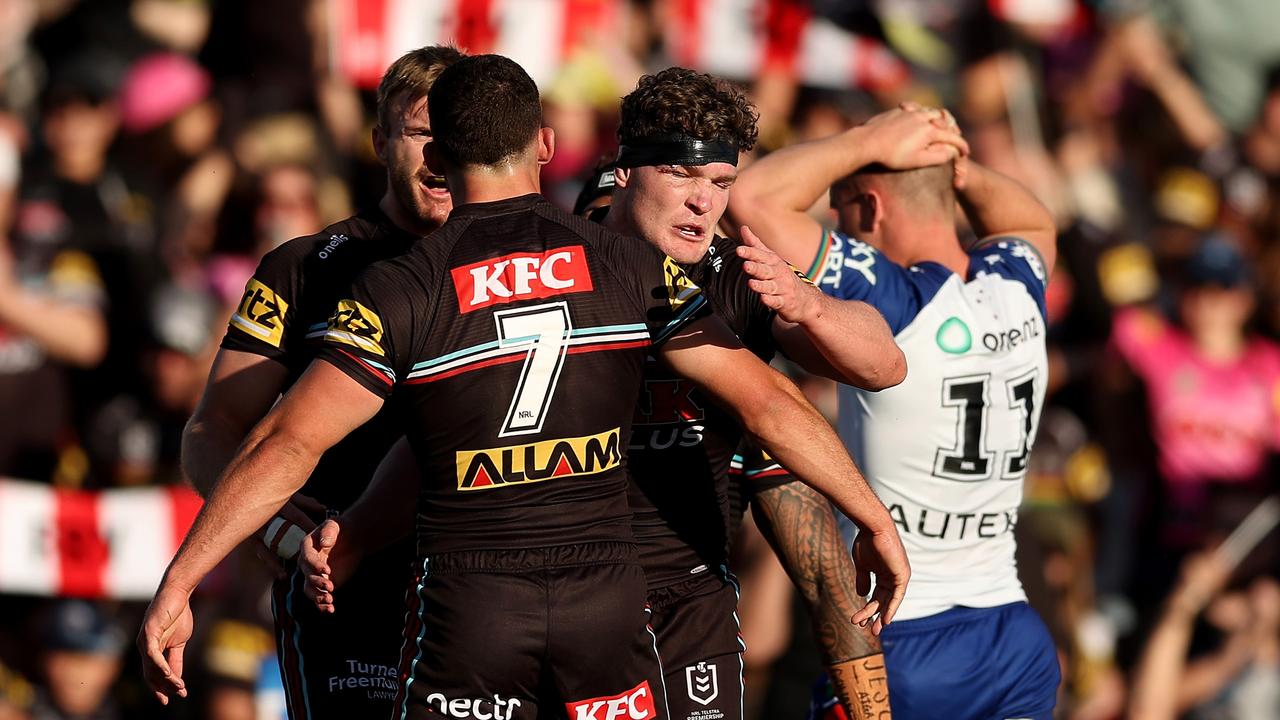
[(367, 35), (740, 39), (110, 544), (736, 39)]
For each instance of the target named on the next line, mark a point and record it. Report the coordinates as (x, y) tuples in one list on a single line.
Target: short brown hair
[(411, 76), (485, 111), (681, 101), (927, 189)]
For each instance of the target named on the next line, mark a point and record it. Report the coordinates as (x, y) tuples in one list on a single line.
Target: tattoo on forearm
[(801, 527), (863, 687)]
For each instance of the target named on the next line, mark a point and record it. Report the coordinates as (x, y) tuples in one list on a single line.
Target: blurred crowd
[(152, 150)]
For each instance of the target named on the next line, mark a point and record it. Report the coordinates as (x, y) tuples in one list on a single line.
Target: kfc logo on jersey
[(521, 276), (634, 704)]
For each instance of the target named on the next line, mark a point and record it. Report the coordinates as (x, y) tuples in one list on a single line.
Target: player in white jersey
[(947, 449)]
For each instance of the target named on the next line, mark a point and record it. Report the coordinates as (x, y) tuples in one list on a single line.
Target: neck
[(618, 219), (488, 184), (1219, 344), (402, 218), (922, 241)]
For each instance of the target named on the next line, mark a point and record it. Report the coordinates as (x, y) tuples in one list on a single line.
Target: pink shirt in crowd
[(1211, 422)]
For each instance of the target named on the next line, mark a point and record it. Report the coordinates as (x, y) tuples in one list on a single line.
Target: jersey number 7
[(545, 329)]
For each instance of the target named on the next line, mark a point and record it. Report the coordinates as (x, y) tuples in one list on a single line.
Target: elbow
[(894, 370), (745, 204), (888, 372)]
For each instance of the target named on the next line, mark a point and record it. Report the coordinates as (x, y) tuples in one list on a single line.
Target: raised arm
[(802, 530), (998, 206), (777, 417), (773, 195), (271, 465)]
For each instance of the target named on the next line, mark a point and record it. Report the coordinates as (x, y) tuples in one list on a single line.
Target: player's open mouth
[(691, 232), (435, 185)]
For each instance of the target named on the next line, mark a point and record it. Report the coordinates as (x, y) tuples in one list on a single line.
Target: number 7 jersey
[(947, 449), (513, 340)]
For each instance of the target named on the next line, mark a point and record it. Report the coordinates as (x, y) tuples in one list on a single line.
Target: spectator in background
[(1238, 679), (1213, 390), (171, 124), (83, 649), (52, 296)]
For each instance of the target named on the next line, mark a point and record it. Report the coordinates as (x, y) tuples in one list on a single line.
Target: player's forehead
[(409, 112), (716, 171)]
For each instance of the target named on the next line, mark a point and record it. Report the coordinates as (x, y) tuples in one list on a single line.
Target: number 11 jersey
[(947, 449)]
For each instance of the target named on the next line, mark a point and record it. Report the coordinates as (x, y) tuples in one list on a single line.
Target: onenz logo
[(498, 708), (535, 462), (634, 704), (954, 336), (521, 276), (1010, 338)]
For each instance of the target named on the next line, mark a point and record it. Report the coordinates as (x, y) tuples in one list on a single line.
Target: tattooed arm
[(801, 527)]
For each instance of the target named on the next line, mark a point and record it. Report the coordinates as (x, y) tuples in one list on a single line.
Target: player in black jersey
[(513, 340), (673, 195), (681, 444), (332, 667)]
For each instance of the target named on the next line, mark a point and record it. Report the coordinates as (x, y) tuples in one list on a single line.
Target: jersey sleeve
[(262, 322), (849, 269), (659, 286), (759, 470), (1015, 259), (369, 336)]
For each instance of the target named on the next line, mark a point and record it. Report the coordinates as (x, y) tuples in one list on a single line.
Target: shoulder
[(1009, 255)]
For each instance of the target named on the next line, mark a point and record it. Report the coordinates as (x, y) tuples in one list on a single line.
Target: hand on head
[(911, 136)]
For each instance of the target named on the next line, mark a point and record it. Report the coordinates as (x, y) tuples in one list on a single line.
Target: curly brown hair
[(681, 101)]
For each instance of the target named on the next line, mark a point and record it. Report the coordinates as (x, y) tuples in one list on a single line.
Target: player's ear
[(621, 176), (546, 145), (872, 211)]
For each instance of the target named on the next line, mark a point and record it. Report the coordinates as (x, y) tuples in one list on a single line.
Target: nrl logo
[(702, 683)]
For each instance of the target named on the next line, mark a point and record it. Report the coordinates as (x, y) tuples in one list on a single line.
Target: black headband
[(676, 150)]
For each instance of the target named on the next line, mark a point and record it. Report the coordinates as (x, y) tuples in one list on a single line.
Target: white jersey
[(947, 449)]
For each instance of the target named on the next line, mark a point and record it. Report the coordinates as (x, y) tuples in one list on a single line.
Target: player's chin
[(687, 248)]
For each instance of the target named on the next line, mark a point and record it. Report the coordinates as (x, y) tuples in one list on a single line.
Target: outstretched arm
[(274, 461), (802, 529), (242, 388), (778, 418), (773, 194), (845, 340)]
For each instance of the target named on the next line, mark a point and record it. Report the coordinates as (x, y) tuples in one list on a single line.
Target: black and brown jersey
[(283, 316), (682, 443), (514, 339)]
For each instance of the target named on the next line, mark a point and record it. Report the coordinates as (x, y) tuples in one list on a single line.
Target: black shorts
[(700, 642), (499, 635), (343, 665)]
